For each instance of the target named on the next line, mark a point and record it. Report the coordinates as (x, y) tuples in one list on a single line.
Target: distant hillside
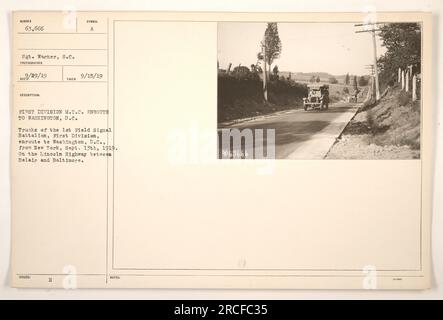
[(306, 76), (310, 74)]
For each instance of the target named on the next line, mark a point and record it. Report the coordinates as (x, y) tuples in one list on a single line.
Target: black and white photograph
[(319, 90)]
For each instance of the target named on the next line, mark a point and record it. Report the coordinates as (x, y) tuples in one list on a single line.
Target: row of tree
[(403, 50), (255, 70), (362, 81)]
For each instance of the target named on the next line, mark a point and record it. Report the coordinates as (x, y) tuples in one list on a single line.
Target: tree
[(241, 69), (272, 44), (333, 80), (317, 79), (312, 79), (241, 72), (256, 70), (347, 78), (229, 67), (403, 48), (259, 59), (363, 81), (403, 43), (354, 83), (275, 71)]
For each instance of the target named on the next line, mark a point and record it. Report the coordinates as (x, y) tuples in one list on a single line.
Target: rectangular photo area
[(315, 91)]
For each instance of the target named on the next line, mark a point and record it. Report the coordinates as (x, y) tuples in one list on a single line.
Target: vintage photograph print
[(319, 90)]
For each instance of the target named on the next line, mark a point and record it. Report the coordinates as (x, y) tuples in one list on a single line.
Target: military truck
[(318, 97)]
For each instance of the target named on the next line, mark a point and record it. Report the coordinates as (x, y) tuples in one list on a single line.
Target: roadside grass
[(394, 120), (242, 97)]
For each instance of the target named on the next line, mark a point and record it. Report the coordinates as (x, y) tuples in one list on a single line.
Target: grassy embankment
[(242, 97), (389, 129)]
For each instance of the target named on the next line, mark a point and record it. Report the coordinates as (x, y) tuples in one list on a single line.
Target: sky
[(306, 47)]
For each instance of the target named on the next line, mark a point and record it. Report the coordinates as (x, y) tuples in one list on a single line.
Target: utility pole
[(377, 87), (370, 67), (265, 88), (374, 43)]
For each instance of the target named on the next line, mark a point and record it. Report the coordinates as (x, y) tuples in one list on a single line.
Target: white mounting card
[(221, 150)]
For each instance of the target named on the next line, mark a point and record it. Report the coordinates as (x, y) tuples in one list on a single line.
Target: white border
[(436, 6)]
